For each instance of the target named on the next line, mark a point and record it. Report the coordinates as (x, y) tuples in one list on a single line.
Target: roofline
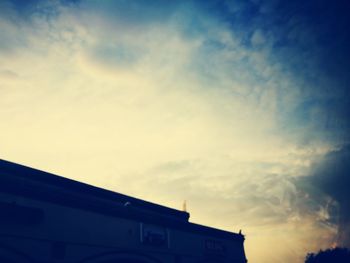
[(28, 173), (21, 180)]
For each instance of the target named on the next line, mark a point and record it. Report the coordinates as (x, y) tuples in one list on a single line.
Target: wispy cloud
[(330, 176), (214, 103)]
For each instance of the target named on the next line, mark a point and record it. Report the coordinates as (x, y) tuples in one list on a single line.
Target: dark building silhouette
[(48, 218)]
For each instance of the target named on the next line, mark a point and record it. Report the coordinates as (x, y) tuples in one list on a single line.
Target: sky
[(241, 108)]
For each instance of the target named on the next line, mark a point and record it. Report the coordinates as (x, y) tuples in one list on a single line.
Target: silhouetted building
[(47, 218)]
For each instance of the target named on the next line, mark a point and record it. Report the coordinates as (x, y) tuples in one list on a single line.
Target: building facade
[(48, 218)]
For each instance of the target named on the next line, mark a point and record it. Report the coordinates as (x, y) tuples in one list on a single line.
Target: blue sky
[(239, 107)]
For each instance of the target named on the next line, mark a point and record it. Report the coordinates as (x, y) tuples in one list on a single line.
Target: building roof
[(32, 183)]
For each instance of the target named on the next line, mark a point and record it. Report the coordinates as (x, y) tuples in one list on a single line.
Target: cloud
[(307, 43), (136, 14), (8, 74), (331, 176), (260, 198), (173, 102), (115, 56), (258, 38)]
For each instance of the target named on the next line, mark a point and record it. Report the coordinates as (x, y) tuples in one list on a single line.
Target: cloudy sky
[(239, 107)]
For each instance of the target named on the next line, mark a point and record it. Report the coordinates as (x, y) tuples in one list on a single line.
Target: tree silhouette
[(331, 255)]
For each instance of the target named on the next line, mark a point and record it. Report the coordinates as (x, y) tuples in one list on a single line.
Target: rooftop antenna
[(184, 206)]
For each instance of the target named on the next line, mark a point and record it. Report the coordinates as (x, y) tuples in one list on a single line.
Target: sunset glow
[(238, 107)]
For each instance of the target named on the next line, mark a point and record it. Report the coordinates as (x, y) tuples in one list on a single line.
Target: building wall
[(72, 235), (36, 230)]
